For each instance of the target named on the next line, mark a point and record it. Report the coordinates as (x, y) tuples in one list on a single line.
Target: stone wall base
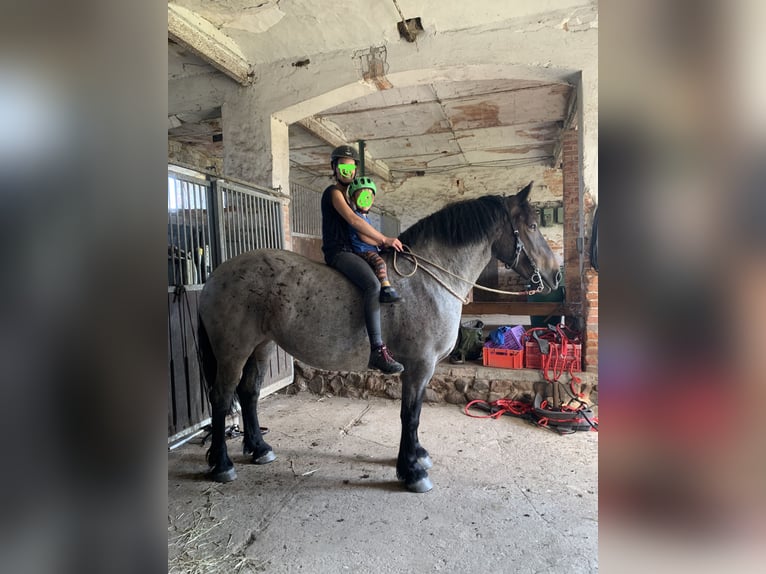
[(455, 384)]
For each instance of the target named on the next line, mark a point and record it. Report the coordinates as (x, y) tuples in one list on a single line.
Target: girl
[(337, 220)]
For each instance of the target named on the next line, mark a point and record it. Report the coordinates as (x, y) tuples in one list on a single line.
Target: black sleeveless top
[(335, 229)]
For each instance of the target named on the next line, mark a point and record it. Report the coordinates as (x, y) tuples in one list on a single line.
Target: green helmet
[(364, 201)]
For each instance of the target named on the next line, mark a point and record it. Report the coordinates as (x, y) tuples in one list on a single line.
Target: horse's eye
[(533, 227)]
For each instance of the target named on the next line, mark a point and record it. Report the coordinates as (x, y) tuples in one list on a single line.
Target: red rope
[(517, 408), (521, 409), (556, 362)]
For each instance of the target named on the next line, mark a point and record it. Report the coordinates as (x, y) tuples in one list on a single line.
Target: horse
[(269, 297)]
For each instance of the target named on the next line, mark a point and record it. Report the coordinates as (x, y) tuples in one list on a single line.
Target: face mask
[(346, 169), (364, 199)]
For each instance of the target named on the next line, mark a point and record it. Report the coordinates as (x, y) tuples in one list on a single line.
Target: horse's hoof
[(425, 462), (224, 476), (422, 485), (265, 458)]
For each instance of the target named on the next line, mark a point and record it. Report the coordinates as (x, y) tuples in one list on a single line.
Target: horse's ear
[(523, 195)]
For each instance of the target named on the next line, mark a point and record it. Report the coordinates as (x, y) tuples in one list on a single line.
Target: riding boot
[(381, 359), (389, 295)]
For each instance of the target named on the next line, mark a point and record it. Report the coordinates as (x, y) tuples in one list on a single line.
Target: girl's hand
[(392, 242)]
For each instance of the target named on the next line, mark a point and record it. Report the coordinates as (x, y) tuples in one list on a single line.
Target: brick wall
[(571, 180), (591, 321), (581, 279)]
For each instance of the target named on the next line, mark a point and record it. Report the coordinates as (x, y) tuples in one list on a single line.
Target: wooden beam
[(514, 308), (204, 39), (329, 132), (570, 119)]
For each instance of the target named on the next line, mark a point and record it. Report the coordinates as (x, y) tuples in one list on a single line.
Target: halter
[(536, 278)]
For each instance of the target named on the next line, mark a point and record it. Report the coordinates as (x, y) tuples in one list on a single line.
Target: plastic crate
[(512, 339), (533, 359), (503, 358)]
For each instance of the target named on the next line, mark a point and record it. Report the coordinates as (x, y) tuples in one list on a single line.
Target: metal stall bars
[(191, 251), (189, 229), (247, 219), (250, 218), (305, 211), (209, 222)]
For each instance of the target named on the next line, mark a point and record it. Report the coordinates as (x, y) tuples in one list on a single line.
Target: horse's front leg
[(413, 460)]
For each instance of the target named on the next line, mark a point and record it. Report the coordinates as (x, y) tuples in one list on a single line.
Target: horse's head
[(521, 245)]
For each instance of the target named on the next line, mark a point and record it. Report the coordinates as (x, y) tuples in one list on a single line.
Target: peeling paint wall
[(195, 156)]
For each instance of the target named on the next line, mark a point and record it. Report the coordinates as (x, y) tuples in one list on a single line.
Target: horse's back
[(269, 281), (316, 314), (308, 308)]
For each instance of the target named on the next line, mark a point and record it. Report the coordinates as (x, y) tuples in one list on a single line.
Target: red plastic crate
[(512, 339), (534, 359), (503, 358)]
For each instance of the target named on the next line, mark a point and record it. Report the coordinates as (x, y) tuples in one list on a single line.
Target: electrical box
[(559, 215), (546, 216)]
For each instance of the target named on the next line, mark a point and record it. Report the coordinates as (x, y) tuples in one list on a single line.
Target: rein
[(416, 259)]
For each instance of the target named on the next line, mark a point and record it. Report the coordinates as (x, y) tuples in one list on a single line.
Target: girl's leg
[(360, 274), (387, 293), (378, 265)]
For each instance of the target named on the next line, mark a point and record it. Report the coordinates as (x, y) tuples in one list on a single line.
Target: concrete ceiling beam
[(329, 132), (204, 39), (198, 93)]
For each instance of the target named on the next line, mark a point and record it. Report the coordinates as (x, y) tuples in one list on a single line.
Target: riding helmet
[(344, 151), (361, 183)]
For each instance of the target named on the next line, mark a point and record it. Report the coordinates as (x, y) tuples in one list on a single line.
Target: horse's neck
[(466, 262)]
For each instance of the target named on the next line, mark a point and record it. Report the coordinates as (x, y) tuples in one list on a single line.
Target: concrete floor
[(507, 497)]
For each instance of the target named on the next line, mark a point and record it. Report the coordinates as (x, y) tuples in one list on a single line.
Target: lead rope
[(413, 257)]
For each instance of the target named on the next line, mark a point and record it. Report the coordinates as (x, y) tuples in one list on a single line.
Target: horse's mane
[(463, 222)]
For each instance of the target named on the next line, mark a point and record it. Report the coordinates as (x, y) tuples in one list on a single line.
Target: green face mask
[(346, 169), (364, 199)]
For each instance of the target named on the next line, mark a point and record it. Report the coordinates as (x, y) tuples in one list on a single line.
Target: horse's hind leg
[(413, 460), (221, 397), (249, 391)]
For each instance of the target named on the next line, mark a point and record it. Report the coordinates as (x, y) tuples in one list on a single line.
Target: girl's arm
[(361, 226), (367, 239)]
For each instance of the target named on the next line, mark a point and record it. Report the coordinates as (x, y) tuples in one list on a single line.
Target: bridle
[(537, 278)]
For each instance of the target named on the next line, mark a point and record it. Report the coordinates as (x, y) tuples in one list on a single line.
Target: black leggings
[(361, 275)]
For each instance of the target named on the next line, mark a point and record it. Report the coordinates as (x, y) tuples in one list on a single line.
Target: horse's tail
[(207, 358)]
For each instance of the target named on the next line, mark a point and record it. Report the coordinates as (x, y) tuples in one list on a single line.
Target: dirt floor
[(507, 496)]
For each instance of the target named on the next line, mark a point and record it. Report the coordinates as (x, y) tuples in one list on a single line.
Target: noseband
[(537, 278)]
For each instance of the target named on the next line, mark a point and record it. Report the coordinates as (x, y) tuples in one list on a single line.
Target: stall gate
[(208, 223)]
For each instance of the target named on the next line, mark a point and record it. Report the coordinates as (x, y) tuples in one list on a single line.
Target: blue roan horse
[(264, 297)]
